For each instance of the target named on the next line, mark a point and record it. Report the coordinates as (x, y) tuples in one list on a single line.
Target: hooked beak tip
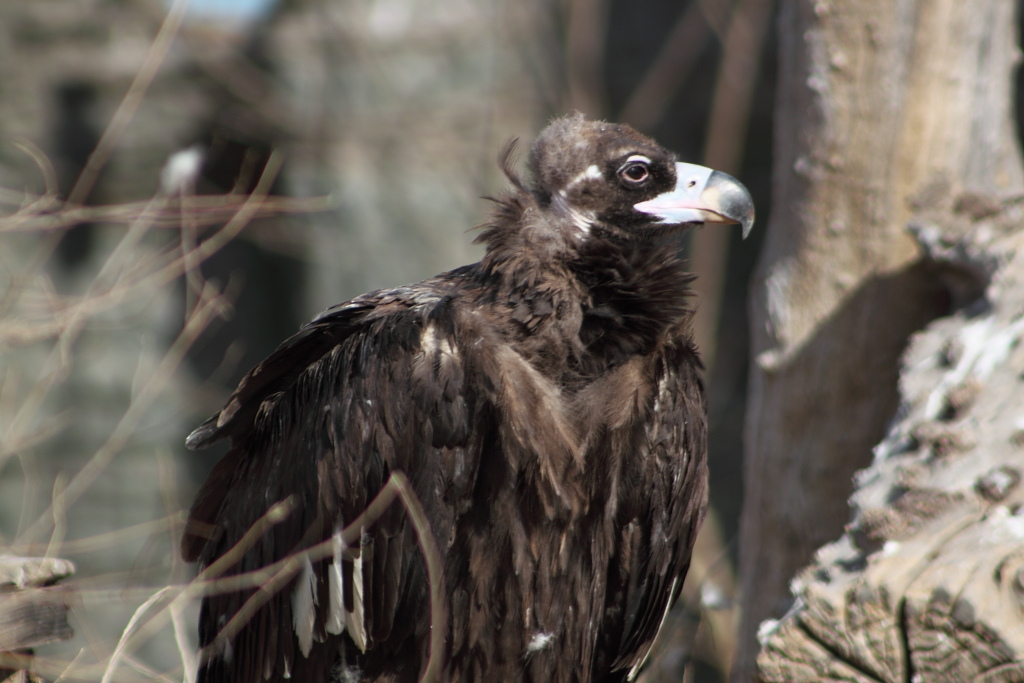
[(728, 198)]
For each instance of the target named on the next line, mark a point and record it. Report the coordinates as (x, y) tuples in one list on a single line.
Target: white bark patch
[(778, 318), (1006, 524), (766, 630), (984, 349)]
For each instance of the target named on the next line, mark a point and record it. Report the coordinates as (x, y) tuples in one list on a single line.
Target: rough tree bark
[(883, 106), (927, 583)]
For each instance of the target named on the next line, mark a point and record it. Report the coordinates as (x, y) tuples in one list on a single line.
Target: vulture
[(544, 408)]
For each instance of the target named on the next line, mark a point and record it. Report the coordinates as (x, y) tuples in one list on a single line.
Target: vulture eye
[(634, 173)]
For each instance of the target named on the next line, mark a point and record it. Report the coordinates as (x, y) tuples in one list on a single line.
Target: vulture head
[(606, 177)]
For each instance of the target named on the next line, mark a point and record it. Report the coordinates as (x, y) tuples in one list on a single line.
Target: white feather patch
[(539, 641), (581, 219), (304, 602), (336, 589), (430, 344), (340, 619), (592, 172), (428, 340), (355, 620)]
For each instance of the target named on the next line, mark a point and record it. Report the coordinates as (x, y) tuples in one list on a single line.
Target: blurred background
[(132, 129)]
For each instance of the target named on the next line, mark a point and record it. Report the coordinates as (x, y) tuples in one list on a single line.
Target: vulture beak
[(702, 195)]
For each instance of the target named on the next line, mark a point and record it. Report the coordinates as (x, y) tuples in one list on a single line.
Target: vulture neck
[(601, 298)]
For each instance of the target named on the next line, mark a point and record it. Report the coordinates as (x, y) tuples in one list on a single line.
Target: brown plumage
[(547, 406)]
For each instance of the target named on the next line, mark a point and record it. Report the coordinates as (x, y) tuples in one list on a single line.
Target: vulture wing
[(371, 386), (657, 538)]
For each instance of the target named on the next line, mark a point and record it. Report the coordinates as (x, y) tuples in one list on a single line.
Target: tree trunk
[(927, 584), (883, 106)]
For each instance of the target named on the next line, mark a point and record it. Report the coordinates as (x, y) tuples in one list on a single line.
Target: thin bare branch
[(275, 515), (119, 651), (120, 287), (189, 239), (106, 540), (42, 163), (435, 574), (187, 652), (45, 214), (59, 515), (85, 477)]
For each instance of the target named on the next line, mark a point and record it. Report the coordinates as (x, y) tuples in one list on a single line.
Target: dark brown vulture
[(546, 405)]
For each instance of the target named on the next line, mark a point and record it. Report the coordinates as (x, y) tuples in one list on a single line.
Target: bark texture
[(883, 107), (927, 583), (32, 610)]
